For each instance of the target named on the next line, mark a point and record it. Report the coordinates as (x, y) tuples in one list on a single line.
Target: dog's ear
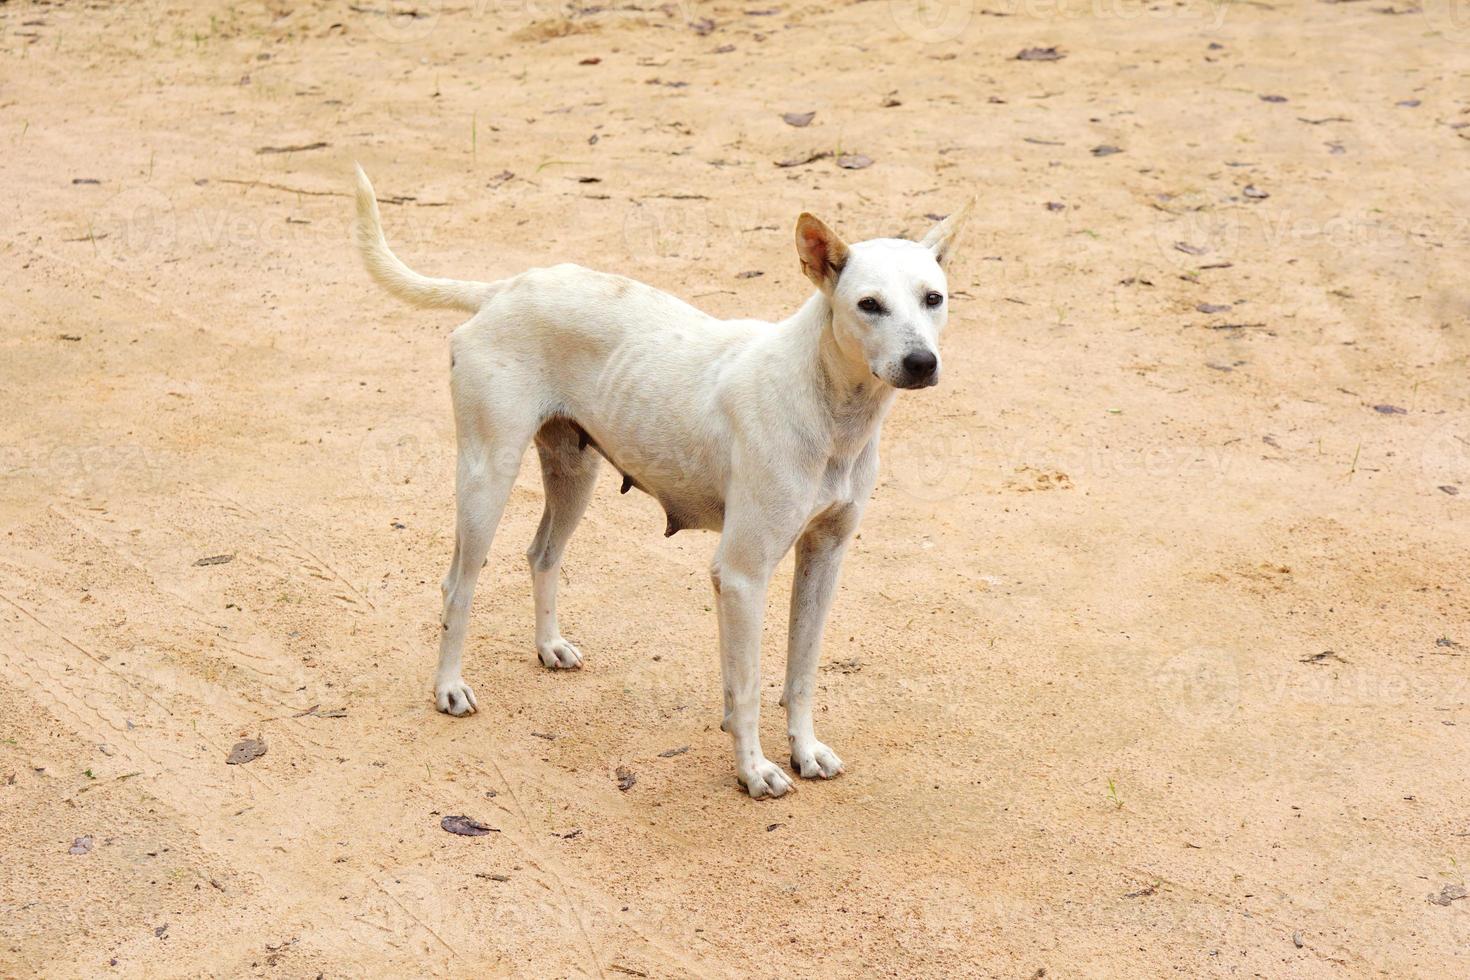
[(822, 253), (942, 237)]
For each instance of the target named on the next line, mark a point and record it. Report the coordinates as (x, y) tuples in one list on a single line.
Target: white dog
[(767, 433)]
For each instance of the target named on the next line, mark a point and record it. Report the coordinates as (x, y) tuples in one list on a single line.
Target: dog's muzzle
[(920, 369)]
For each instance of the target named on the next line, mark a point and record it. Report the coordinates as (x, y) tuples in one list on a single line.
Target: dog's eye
[(870, 305), (933, 299)]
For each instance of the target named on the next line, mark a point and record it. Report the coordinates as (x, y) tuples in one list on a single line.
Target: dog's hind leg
[(568, 473), (490, 451)]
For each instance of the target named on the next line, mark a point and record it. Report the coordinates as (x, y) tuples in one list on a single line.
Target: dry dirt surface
[(1151, 659)]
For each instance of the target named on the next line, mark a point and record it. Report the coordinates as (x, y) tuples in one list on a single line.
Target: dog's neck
[(855, 400)]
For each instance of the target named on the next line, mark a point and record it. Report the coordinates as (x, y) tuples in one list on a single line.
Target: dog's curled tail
[(389, 271)]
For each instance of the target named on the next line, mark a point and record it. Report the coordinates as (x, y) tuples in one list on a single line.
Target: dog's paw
[(813, 760), (559, 655), (455, 698), (763, 778)]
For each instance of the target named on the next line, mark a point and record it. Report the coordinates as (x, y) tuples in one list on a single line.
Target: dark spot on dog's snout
[(919, 369)]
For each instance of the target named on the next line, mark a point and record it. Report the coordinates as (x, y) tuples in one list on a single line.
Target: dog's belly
[(651, 409), (682, 478)]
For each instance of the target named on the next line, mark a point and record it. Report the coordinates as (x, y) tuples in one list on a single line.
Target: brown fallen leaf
[(315, 711), (1105, 150), (1041, 54), (670, 753), (803, 161), (1448, 894), (626, 778), (213, 560), (590, 61), (466, 826), (245, 750), (798, 119)]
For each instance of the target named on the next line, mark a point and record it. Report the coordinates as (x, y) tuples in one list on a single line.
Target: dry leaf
[(246, 750), (466, 826)]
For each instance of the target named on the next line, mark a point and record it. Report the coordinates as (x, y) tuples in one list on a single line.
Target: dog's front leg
[(741, 573), (819, 554)]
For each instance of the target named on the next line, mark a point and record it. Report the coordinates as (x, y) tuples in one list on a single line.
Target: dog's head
[(889, 296)]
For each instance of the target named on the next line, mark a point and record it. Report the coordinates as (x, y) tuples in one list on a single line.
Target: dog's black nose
[(918, 368)]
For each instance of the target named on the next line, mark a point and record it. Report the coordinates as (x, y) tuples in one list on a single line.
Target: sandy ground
[(1151, 659)]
